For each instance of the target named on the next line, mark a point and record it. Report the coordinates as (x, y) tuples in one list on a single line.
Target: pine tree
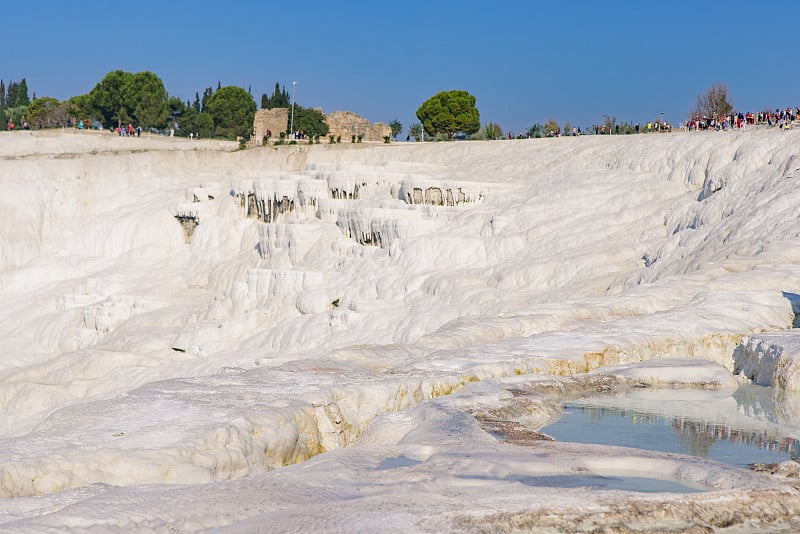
[(197, 102), (2, 95), (276, 92), (11, 94), (278, 99), (22, 94), (207, 92)]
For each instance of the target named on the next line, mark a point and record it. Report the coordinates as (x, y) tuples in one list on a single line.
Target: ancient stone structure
[(347, 124), (340, 123), (274, 120)]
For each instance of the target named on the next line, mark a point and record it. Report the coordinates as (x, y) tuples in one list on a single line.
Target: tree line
[(122, 98), (140, 99), (14, 99)]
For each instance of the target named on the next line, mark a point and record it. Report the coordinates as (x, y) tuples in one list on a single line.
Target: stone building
[(273, 120), (340, 123)]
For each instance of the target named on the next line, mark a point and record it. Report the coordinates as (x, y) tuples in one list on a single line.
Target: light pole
[(291, 123), (662, 120)]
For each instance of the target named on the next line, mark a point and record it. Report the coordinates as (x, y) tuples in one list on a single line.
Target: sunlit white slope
[(364, 280), (432, 468)]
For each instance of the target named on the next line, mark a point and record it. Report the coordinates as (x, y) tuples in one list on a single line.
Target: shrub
[(352, 138), (283, 136), (386, 139), (491, 131), (332, 138), (292, 142), (360, 137), (338, 138), (242, 143), (265, 141)]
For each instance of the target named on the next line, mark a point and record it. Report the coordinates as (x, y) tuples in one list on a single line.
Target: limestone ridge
[(342, 124)]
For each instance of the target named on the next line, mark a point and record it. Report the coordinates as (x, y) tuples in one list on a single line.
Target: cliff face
[(340, 123)]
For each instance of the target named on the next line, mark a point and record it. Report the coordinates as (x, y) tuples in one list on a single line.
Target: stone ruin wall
[(347, 123), (274, 120), (340, 123)]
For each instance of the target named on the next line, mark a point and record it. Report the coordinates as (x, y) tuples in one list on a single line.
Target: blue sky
[(524, 61)]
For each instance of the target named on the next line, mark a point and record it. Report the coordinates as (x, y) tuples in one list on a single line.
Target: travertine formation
[(344, 124)]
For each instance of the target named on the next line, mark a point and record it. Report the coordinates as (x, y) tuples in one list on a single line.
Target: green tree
[(109, 98), (535, 130), (204, 125), (80, 106), (125, 97), (415, 131), (310, 121), (177, 114), (43, 111), (2, 95), (396, 128), (187, 120), (22, 99), (146, 99), (232, 109), (449, 112), (278, 99), (551, 127), (11, 94), (207, 92), (713, 102)]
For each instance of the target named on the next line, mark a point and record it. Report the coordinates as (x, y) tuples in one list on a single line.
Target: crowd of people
[(782, 118), (129, 131)]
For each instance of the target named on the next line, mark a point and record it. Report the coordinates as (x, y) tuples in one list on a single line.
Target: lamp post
[(662, 120), (291, 123)]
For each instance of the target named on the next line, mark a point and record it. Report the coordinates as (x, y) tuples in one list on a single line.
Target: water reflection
[(697, 436), (754, 425)]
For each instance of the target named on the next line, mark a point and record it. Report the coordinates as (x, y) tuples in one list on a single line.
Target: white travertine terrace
[(325, 349)]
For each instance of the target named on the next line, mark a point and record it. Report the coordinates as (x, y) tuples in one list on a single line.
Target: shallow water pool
[(755, 425)]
